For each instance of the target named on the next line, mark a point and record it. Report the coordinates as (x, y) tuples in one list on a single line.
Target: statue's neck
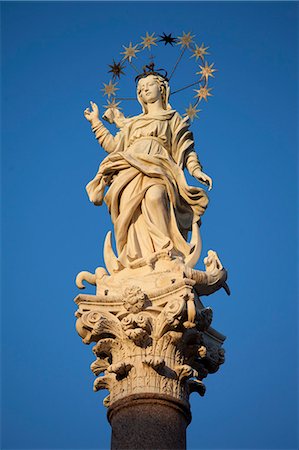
[(155, 108)]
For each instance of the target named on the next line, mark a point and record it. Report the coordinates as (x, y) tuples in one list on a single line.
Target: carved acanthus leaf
[(107, 325), (156, 362), (99, 366), (196, 386), (121, 369), (106, 401), (185, 371), (105, 346), (139, 336), (103, 382), (162, 344)]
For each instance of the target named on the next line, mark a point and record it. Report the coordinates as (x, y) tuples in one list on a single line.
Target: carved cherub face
[(149, 89)]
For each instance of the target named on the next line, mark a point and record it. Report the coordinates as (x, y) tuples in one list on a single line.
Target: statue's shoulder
[(179, 121)]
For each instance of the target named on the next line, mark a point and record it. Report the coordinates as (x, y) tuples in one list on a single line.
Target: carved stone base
[(149, 421), (157, 273), (153, 341)]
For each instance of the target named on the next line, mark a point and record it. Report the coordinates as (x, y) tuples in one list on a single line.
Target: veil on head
[(165, 90)]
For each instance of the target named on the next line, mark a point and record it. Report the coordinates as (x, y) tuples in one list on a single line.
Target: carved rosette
[(150, 342)]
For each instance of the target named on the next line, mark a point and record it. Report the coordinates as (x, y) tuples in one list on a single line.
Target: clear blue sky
[(55, 57)]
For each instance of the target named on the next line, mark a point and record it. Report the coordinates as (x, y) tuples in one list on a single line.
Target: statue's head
[(152, 88)]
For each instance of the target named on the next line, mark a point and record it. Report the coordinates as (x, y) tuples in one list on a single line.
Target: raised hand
[(92, 115)]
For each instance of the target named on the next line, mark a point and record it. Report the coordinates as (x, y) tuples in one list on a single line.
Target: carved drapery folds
[(157, 340)]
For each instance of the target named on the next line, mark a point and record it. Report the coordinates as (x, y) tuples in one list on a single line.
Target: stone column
[(149, 421), (154, 345)]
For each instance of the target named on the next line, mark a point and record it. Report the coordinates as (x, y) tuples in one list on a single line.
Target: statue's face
[(149, 89)]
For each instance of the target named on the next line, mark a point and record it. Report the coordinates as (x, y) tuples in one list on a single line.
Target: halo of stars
[(186, 43)]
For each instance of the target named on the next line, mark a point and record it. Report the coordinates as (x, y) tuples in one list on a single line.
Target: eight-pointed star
[(116, 69), (130, 52), (109, 89), (113, 104), (199, 52), (185, 40), (168, 39), (148, 40), (191, 111), (206, 71), (203, 93)]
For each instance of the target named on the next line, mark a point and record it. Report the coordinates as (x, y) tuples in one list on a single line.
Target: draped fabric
[(149, 157)]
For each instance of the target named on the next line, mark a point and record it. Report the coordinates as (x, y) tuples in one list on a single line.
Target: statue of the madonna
[(152, 333), (151, 205)]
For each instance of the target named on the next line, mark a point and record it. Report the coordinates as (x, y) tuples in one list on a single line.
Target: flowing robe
[(149, 151)]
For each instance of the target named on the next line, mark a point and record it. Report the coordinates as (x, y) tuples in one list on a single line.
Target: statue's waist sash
[(151, 138)]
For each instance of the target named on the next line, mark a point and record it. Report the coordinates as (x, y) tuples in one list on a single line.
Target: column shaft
[(149, 422)]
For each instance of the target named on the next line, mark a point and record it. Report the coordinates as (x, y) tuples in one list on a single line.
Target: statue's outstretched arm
[(103, 136), (195, 169)]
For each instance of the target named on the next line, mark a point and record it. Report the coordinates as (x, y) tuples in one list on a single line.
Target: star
[(185, 40), (168, 39), (116, 69), (112, 104), (148, 40), (199, 52), (206, 71), (130, 52), (203, 93), (191, 112), (109, 89)]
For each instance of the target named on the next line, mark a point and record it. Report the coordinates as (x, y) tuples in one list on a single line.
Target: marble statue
[(151, 205), (153, 336)]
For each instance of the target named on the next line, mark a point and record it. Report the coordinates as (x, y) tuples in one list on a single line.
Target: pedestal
[(154, 345)]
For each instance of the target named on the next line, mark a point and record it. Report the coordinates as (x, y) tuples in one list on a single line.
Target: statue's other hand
[(92, 115), (203, 178)]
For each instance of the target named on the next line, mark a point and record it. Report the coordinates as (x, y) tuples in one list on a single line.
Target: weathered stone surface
[(147, 422), (157, 340)]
